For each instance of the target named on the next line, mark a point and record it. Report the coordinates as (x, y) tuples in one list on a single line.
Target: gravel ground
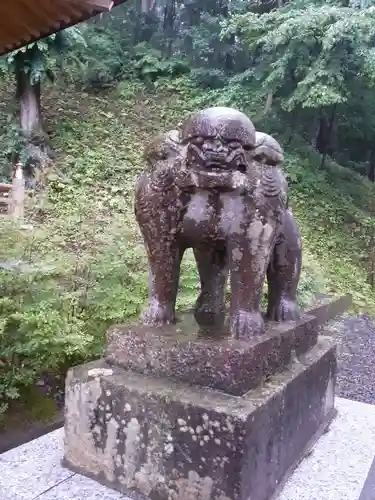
[(356, 354)]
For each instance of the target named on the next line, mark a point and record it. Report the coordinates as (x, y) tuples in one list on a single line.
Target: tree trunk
[(36, 150), (169, 26), (28, 97), (268, 105), (324, 135), (371, 166), (293, 124)]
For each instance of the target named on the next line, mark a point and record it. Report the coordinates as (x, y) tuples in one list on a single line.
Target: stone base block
[(182, 352), (153, 438), (328, 307), (179, 352)]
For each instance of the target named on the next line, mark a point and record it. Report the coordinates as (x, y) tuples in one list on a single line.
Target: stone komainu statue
[(216, 186)]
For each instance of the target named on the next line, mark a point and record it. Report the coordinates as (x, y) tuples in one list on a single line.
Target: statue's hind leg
[(284, 271), (213, 271)]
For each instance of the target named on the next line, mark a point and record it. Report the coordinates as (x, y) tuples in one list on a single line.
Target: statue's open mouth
[(219, 168), (224, 162)]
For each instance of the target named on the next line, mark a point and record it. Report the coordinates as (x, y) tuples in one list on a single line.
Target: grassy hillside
[(89, 267), (334, 207)]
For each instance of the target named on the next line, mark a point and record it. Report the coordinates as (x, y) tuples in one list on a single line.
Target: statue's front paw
[(157, 314), (208, 314), (245, 325), (285, 310)]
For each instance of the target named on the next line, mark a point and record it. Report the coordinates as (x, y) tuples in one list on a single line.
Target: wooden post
[(17, 197), (5, 196)]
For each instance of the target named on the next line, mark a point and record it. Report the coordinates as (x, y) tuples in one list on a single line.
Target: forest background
[(77, 109)]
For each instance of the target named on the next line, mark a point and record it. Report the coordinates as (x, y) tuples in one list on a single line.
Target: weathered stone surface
[(328, 308), (217, 186), (163, 440), (179, 352)]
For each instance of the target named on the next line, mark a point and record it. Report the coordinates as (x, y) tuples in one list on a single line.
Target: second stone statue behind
[(216, 186)]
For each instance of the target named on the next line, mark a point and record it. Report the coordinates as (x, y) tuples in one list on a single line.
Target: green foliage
[(15, 147), (336, 224), (84, 255), (86, 266), (12, 146), (312, 54), (316, 61), (301, 72), (39, 59), (103, 60), (29, 66), (150, 64), (56, 307), (209, 78)]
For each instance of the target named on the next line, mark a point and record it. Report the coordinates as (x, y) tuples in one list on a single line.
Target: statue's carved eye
[(234, 144), (198, 141), (258, 156)]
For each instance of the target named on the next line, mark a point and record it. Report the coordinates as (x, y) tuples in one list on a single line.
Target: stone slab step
[(340, 466)]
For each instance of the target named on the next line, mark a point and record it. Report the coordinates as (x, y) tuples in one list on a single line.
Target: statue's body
[(216, 186), (284, 268)]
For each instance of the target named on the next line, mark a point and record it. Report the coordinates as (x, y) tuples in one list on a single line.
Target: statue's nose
[(215, 145), (219, 145)]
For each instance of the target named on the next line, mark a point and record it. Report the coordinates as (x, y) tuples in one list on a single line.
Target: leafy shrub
[(55, 307), (312, 282), (87, 265), (150, 64), (209, 78)]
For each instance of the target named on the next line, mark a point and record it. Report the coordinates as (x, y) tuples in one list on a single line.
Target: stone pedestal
[(171, 416)]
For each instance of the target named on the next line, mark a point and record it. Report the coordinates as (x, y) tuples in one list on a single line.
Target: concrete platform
[(339, 468)]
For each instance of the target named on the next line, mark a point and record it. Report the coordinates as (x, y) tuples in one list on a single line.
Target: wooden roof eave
[(77, 11)]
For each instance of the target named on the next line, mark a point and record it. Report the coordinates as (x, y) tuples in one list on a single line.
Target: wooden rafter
[(104, 5), (24, 21)]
